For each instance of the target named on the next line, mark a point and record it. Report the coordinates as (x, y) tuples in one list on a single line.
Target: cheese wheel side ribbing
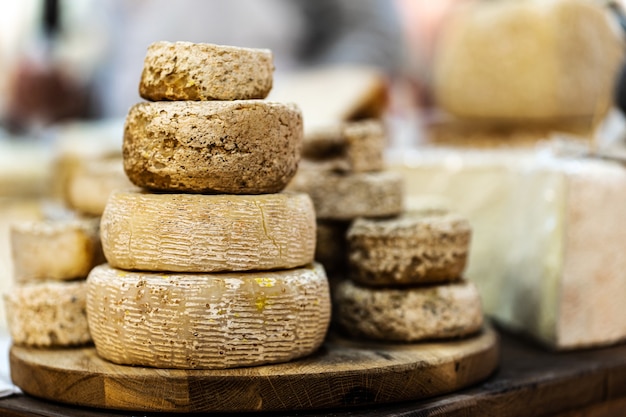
[(207, 321), (208, 233)]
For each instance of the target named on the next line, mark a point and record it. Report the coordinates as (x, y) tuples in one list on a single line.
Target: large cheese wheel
[(207, 321), (55, 249), (188, 71), (348, 196), (408, 314), (48, 314), (207, 233), (236, 147), (416, 247)]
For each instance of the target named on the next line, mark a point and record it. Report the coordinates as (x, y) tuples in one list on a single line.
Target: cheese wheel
[(208, 233), (48, 314), (237, 147), (200, 71), (55, 249), (207, 321), (348, 196), (416, 247), (89, 186), (408, 314)]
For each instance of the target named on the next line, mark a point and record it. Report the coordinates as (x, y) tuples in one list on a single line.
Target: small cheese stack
[(210, 264), (406, 279)]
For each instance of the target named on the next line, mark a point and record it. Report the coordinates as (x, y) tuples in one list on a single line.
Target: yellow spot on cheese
[(260, 302), (265, 282)]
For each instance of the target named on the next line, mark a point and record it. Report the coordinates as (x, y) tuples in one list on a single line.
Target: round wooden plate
[(342, 373)]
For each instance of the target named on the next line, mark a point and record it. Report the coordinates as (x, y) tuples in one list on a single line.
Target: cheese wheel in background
[(416, 247), (348, 196), (331, 247), (48, 314), (207, 321), (55, 249), (235, 147), (208, 233), (200, 71), (408, 314)]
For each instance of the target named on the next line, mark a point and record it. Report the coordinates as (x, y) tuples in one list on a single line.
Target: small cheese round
[(348, 196), (416, 247), (235, 147), (208, 233), (408, 314), (198, 71), (55, 249), (48, 314), (207, 321)]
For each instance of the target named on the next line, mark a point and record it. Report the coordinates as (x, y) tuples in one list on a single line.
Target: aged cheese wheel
[(416, 247), (55, 249), (200, 71), (236, 147), (408, 314), (207, 321), (348, 196), (89, 186), (347, 147), (48, 314), (208, 233)]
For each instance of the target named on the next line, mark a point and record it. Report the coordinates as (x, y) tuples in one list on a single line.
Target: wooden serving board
[(342, 373)]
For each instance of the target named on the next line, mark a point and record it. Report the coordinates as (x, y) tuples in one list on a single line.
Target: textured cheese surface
[(207, 233), (55, 249), (408, 314), (348, 196), (207, 321), (199, 71), (234, 147), (48, 314), (415, 247)]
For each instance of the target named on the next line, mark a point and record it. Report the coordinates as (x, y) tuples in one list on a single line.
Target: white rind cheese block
[(208, 233), (48, 314), (55, 249), (408, 314), (207, 321), (548, 242)]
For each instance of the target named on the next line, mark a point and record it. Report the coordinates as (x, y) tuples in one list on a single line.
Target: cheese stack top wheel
[(408, 314), (235, 147), (416, 247), (207, 321), (208, 233), (195, 71)]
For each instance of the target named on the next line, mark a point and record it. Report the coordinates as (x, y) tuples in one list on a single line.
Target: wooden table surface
[(530, 381)]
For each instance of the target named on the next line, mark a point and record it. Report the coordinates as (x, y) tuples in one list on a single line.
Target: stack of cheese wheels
[(406, 279), (210, 265), (344, 173), (51, 259)]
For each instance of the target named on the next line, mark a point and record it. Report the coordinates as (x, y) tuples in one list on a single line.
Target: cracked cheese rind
[(348, 196), (408, 314), (207, 321), (208, 233), (55, 249), (48, 314), (236, 147), (416, 247), (198, 71)]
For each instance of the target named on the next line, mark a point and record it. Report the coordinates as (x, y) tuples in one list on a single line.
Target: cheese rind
[(208, 233), (234, 147), (48, 314), (416, 247), (408, 314), (200, 71), (207, 321), (55, 249), (346, 197)]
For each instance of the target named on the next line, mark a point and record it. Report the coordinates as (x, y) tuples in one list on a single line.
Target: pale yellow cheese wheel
[(207, 321), (208, 233)]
